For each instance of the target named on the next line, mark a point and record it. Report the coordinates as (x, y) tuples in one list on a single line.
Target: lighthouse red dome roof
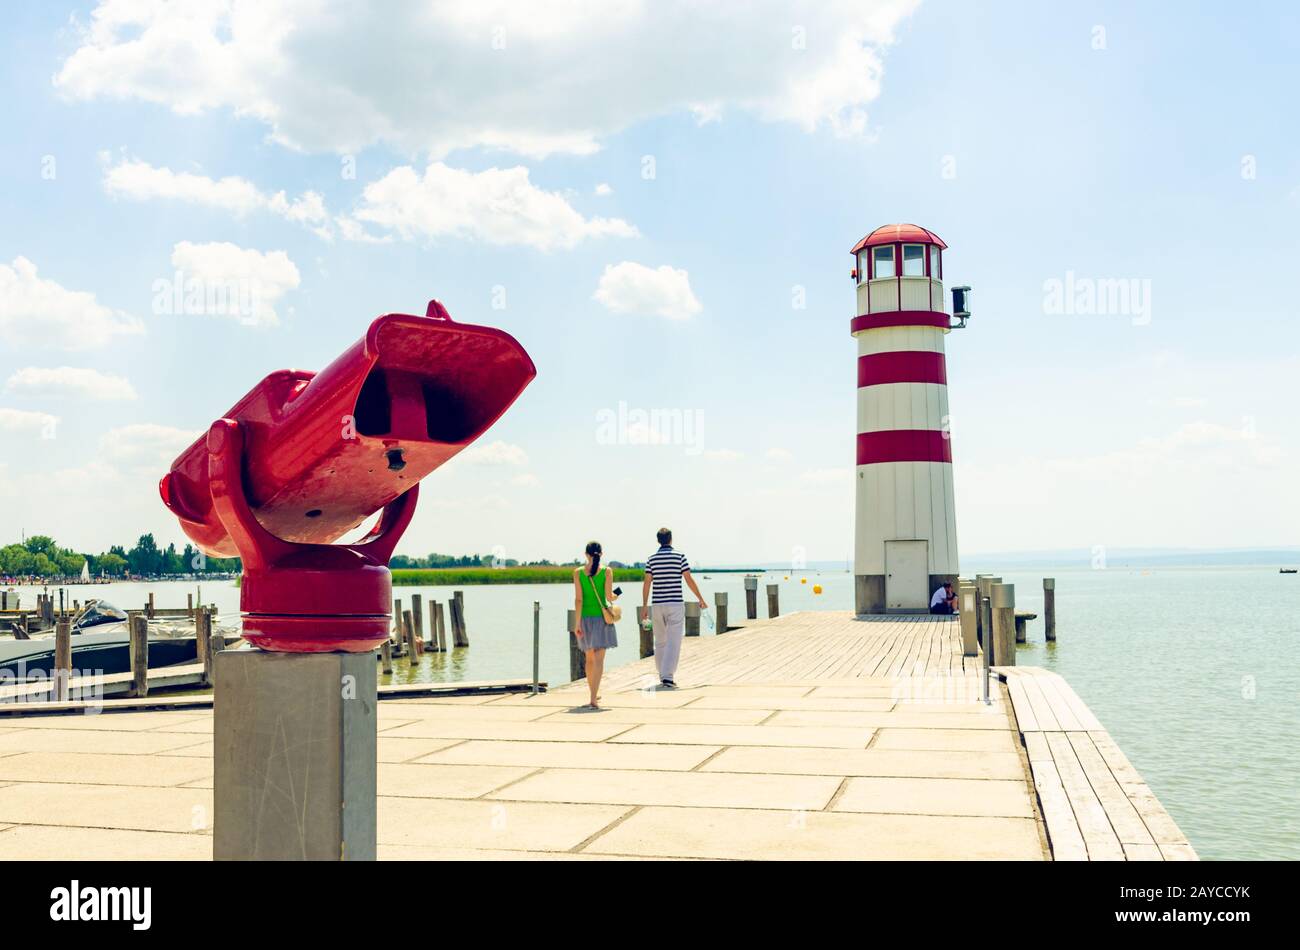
[(894, 233)]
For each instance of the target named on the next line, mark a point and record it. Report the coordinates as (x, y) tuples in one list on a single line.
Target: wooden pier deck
[(811, 736)]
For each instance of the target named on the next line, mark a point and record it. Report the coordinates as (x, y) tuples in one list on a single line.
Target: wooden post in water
[(150, 605), (773, 600), (398, 634), (139, 656), (1003, 599), (460, 636), (1049, 608), (647, 633), (417, 614), (408, 628), (440, 619), (189, 605), (203, 642), (577, 658), (62, 660), (692, 619), (751, 598), (720, 611)]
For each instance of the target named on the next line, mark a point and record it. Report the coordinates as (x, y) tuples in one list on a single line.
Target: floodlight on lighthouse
[(960, 306)]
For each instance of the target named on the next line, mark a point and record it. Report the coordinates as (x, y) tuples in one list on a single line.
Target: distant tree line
[(475, 560), (41, 556)]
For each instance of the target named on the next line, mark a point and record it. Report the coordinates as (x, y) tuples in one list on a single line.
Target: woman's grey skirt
[(598, 635)]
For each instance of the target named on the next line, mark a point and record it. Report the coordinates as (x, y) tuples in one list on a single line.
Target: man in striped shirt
[(665, 571)]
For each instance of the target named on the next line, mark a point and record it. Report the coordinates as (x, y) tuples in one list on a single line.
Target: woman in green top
[(593, 588)]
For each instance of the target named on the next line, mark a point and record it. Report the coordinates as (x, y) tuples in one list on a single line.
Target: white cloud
[(495, 453), (533, 78), (634, 288), (604, 189), (23, 422), (145, 444), (723, 455), (69, 380), (37, 312), (222, 279), (827, 476), (778, 455), (496, 206), (525, 480), (141, 181)]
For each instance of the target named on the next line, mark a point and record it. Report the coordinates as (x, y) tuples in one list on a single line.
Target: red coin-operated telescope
[(306, 457)]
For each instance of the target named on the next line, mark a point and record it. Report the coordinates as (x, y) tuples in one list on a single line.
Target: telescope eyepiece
[(395, 461)]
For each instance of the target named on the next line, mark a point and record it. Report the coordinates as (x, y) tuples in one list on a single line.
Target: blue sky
[(1105, 141)]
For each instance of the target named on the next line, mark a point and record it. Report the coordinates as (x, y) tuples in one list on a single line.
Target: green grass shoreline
[(444, 576)]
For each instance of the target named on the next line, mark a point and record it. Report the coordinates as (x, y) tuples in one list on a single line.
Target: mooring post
[(773, 600), (150, 605), (537, 644), (1004, 623), (692, 619), (408, 626), (189, 605), (440, 617), (139, 656), (646, 630), (399, 631), (417, 614), (62, 659), (386, 657), (203, 642), (1049, 607), (577, 658), (751, 598), (458, 631), (720, 611)]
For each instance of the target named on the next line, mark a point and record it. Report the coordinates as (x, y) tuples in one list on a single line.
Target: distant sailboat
[(85, 572)]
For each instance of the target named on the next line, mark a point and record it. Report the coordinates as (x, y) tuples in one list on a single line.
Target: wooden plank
[(1098, 835), (1063, 834), (1124, 818)]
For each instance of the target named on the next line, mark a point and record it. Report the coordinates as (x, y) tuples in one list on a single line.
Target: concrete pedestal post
[(967, 599), (647, 634), (720, 611), (1049, 607), (1003, 598), (751, 598), (295, 745), (692, 622)]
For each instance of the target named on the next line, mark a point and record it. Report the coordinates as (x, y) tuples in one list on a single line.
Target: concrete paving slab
[(61, 843), (101, 769), (397, 852), (474, 699), (408, 750), (688, 789), (108, 806), (805, 736), (585, 731), (523, 826), (872, 761), (786, 835), (89, 740), (898, 720), (416, 780), (576, 755), (413, 712), (946, 740), (937, 796), (688, 715), (630, 699), (813, 703), (115, 721)]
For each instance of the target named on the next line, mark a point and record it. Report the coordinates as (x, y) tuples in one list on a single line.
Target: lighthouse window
[(883, 259), (913, 260), (935, 272), (863, 262)]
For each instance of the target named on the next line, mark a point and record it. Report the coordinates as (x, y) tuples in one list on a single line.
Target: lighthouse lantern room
[(906, 528)]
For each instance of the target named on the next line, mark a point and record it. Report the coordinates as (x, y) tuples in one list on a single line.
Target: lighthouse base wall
[(869, 592)]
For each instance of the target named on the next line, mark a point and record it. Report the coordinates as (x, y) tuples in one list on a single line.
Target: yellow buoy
[(817, 588), (803, 580)]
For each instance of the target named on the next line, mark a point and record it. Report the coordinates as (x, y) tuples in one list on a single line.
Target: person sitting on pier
[(943, 599)]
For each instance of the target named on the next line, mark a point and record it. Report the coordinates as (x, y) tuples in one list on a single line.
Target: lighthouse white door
[(907, 575)]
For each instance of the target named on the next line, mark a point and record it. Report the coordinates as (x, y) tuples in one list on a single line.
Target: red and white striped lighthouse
[(906, 527)]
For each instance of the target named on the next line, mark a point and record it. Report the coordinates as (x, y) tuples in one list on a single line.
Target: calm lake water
[(1194, 671)]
